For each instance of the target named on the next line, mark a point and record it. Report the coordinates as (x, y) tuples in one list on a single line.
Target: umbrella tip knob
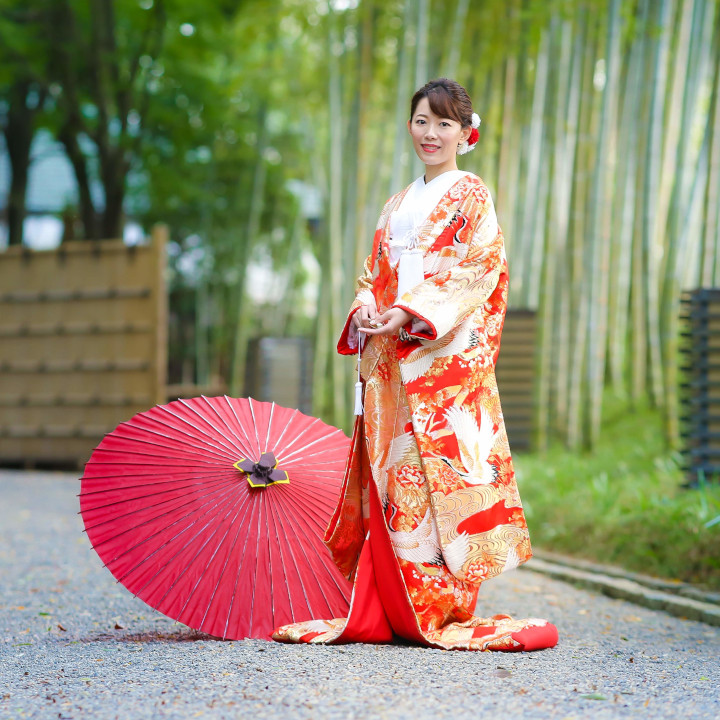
[(264, 472)]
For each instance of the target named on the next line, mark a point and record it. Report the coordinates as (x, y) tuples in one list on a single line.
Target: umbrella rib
[(240, 424), (333, 462), (167, 478), (302, 550), (178, 552), (288, 544), (243, 556), (304, 447), (278, 442), (167, 527), (167, 426), (246, 449), (178, 577), (310, 500), (324, 560), (207, 458), (279, 546), (321, 453), (174, 428), (211, 424), (269, 425), (115, 518), (257, 555), (166, 409), (229, 554), (303, 431), (238, 507), (255, 427)]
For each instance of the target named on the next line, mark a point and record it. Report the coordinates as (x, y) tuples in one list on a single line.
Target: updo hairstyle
[(447, 98)]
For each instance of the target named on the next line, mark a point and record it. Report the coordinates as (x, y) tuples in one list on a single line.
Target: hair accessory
[(470, 143)]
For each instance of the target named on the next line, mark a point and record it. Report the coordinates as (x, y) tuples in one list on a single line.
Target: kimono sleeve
[(348, 343), (444, 300)]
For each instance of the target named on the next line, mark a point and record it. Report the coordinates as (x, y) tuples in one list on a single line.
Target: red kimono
[(429, 508)]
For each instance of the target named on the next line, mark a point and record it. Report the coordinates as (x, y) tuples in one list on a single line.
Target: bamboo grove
[(600, 142)]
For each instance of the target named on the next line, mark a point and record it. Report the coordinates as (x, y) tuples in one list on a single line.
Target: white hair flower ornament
[(470, 143)]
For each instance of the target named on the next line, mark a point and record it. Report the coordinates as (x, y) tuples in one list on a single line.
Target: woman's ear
[(465, 134), (408, 127)]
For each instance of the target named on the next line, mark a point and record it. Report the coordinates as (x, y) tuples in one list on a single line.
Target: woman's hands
[(386, 324), (365, 316)]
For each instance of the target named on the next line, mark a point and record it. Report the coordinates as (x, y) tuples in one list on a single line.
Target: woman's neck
[(433, 171)]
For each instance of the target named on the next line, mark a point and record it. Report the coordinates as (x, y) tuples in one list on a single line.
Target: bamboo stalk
[(400, 153), (577, 392), (449, 67), (523, 267), (652, 252), (335, 236), (244, 246), (567, 129), (599, 231), (624, 213), (711, 215)]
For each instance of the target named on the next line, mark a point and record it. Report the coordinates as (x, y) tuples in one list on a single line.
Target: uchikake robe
[(429, 506)]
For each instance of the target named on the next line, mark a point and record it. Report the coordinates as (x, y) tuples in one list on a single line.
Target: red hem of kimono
[(380, 605), (534, 638)]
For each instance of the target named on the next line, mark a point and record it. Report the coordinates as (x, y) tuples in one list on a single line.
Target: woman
[(429, 508)]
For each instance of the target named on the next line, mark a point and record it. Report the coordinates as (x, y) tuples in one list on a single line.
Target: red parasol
[(212, 511)]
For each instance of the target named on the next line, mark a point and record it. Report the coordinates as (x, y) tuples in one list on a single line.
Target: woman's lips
[(430, 148)]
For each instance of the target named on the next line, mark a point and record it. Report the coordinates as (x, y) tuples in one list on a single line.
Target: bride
[(429, 508)]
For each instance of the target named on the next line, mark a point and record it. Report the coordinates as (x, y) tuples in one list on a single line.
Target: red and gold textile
[(429, 508)]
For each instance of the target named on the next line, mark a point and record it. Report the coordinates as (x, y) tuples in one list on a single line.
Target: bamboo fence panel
[(516, 375), (83, 345)]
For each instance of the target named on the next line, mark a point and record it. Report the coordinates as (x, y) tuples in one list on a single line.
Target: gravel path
[(77, 645)]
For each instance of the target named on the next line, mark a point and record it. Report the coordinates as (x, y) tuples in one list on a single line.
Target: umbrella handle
[(358, 384)]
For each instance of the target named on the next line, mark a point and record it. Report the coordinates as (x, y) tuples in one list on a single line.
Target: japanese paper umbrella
[(213, 510)]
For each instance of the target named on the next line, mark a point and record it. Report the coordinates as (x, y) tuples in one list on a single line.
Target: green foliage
[(624, 503)]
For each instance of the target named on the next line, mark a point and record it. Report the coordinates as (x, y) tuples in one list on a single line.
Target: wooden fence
[(700, 385), (83, 345), (516, 373)]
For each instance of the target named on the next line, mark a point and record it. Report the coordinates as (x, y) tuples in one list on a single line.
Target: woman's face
[(435, 139)]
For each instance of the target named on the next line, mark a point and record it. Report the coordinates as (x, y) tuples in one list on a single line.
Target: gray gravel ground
[(77, 645)]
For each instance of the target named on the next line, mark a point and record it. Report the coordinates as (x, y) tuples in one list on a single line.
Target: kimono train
[(429, 508)]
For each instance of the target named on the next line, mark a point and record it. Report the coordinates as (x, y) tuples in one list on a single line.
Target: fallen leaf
[(60, 627), (593, 696), (119, 627)]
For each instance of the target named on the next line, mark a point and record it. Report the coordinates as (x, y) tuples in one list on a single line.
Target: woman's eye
[(446, 124)]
